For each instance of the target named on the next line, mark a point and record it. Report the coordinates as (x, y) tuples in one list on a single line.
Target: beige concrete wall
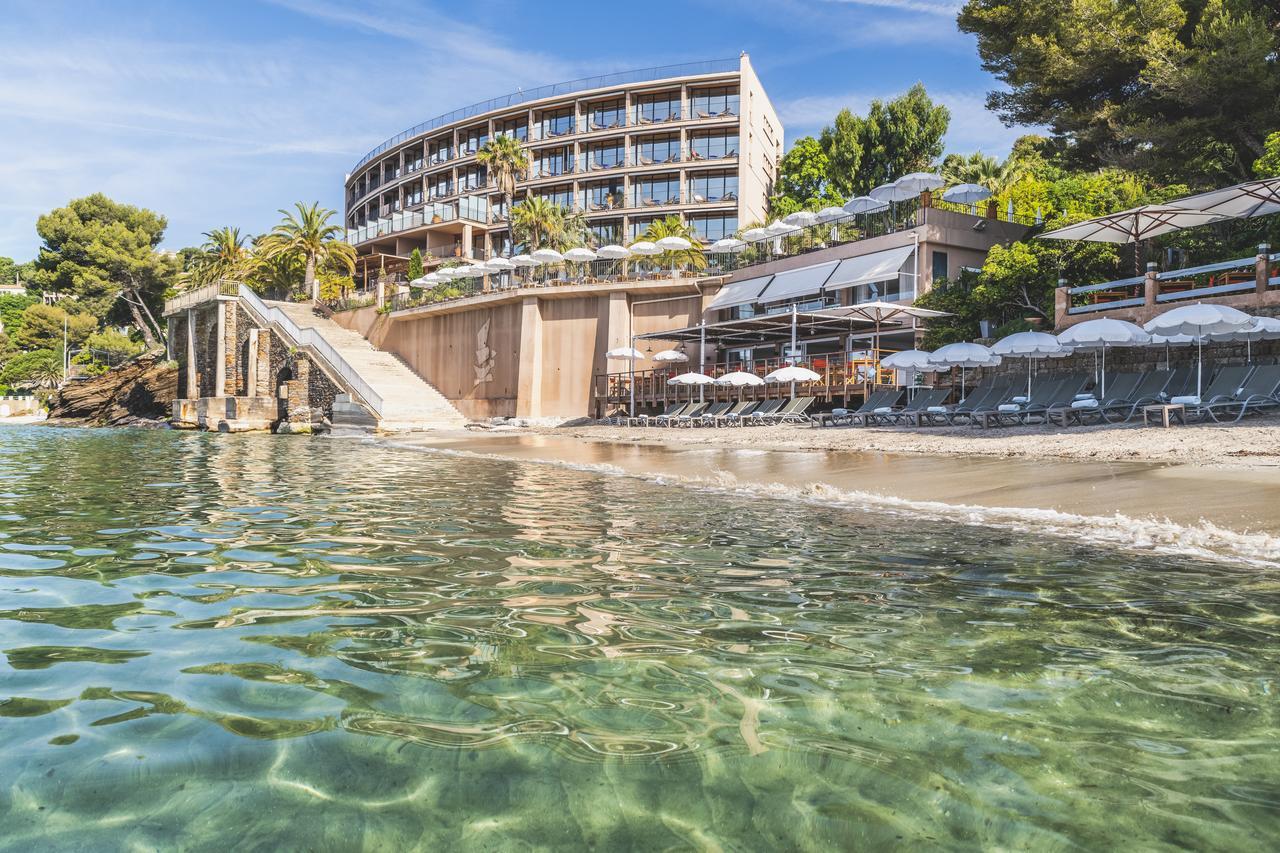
[(760, 140)]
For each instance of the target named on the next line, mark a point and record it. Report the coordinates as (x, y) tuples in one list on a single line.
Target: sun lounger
[(882, 405), (988, 395), (667, 419), (760, 412), (918, 406), (876, 399), (686, 417), (1051, 391), (643, 420), (1224, 386), (1260, 391), (1182, 382), (1149, 391), (1085, 407), (734, 412), (795, 412), (736, 417), (710, 415)]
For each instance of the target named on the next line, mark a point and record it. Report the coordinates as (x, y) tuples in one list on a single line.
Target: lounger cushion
[(1087, 395), (839, 413), (940, 410), (1019, 399), (1185, 400), (1085, 404), (883, 410), (1009, 407)]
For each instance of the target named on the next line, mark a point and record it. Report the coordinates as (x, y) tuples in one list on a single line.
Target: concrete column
[(193, 383), (251, 368), (220, 364), (1262, 268), (168, 337), (1150, 285), (1061, 303), (529, 384), (466, 240), (619, 321)]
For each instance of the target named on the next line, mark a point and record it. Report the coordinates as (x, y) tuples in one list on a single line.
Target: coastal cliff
[(138, 393)]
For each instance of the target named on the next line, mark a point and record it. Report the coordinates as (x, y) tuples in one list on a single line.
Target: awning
[(878, 266), (739, 293), (798, 282)]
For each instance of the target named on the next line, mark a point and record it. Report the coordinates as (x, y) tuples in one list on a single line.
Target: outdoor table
[(1166, 412)]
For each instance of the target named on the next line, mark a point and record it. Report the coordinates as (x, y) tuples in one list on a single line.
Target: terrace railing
[(201, 295), (1223, 278)]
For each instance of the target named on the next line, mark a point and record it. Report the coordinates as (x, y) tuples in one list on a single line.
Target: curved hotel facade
[(699, 140)]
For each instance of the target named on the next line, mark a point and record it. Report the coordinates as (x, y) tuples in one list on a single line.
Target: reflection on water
[(321, 644)]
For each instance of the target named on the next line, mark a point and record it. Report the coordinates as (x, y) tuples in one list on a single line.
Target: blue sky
[(220, 114)]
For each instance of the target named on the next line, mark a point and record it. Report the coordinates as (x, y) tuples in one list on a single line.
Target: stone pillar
[(1262, 268), (251, 367), (220, 362), (193, 381), (263, 378), (1150, 285), (1061, 303), (231, 352), (529, 384), (382, 292)]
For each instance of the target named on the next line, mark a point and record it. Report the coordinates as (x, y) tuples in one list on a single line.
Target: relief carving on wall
[(484, 355)]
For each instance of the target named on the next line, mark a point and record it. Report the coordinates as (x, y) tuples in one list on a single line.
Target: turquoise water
[(285, 643)]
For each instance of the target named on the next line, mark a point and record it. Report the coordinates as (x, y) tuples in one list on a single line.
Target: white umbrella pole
[(702, 347), (1102, 383), (1248, 351), (1029, 360), (1199, 362), (793, 345)]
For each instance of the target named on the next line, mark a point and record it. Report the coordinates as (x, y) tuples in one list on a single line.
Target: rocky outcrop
[(139, 393)]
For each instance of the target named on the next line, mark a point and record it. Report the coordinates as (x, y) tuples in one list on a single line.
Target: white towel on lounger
[(1088, 403), (1185, 400), (937, 410), (1009, 407), (883, 410)]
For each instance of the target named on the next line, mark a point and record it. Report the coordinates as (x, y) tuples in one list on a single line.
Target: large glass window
[(651, 109), (607, 156), (713, 146), (939, 265), (705, 103), (472, 178), (471, 140), (557, 122), (658, 149), (607, 115), (517, 127), (440, 186), (413, 194), (554, 161), (607, 232), (713, 186), (441, 151), (605, 195), (655, 191), (715, 227), (562, 196), (639, 226), (413, 159)]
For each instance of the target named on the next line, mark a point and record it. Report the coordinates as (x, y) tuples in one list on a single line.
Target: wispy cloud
[(948, 10)]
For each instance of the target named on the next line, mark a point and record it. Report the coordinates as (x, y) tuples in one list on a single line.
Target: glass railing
[(524, 96)]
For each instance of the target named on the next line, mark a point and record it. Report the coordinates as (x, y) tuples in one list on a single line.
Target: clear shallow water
[(301, 643)]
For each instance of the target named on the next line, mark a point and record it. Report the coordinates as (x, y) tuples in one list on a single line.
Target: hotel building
[(699, 140)]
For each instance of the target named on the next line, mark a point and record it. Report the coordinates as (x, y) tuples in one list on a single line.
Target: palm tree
[(313, 238), (225, 255), (985, 171), (505, 161), (673, 226), (537, 222)]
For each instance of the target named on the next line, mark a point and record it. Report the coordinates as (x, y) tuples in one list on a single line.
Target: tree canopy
[(104, 255), (804, 181), (895, 138), (42, 327), (1184, 90)]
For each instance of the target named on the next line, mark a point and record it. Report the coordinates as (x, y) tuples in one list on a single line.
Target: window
[(706, 103), (608, 156), (638, 227), (607, 232), (658, 149), (562, 196), (473, 178), (655, 191), (939, 265), (517, 127), (713, 146), (557, 123), (607, 115), (441, 151), (651, 109), (556, 161), (605, 195), (413, 159), (715, 227), (470, 141), (413, 194), (713, 186), (390, 170), (440, 186)]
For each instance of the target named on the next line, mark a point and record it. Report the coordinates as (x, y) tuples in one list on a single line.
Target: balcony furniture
[(729, 196), (698, 199), (694, 155), (726, 113), (701, 114), (643, 160)]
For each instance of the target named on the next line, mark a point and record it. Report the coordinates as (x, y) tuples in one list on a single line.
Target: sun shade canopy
[(739, 293), (864, 269), (1138, 223), (798, 282)]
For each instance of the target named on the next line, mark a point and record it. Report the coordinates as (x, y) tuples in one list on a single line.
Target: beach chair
[(1149, 391), (874, 400), (1260, 391), (643, 419), (732, 413), (686, 417), (736, 415), (667, 419), (758, 414), (1120, 388), (795, 412), (1044, 394), (1224, 386), (874, 406), (777, 414), (1182, 382), (996, 392), (918, 406), (710, 415)]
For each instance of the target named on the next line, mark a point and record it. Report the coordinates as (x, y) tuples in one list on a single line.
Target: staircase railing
[(312, 340)]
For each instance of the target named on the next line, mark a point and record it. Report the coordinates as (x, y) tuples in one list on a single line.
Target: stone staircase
[(408, 402)]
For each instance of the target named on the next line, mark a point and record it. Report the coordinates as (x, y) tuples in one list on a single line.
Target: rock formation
[(138, 393)]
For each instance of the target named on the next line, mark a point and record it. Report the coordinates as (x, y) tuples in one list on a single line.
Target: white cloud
[(947, 10)]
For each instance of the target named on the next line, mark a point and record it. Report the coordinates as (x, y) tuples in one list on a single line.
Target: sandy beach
[(1254, 443)]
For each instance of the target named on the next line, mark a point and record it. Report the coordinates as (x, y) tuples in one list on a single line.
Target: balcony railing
[(1224, 278), (687, 69)]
